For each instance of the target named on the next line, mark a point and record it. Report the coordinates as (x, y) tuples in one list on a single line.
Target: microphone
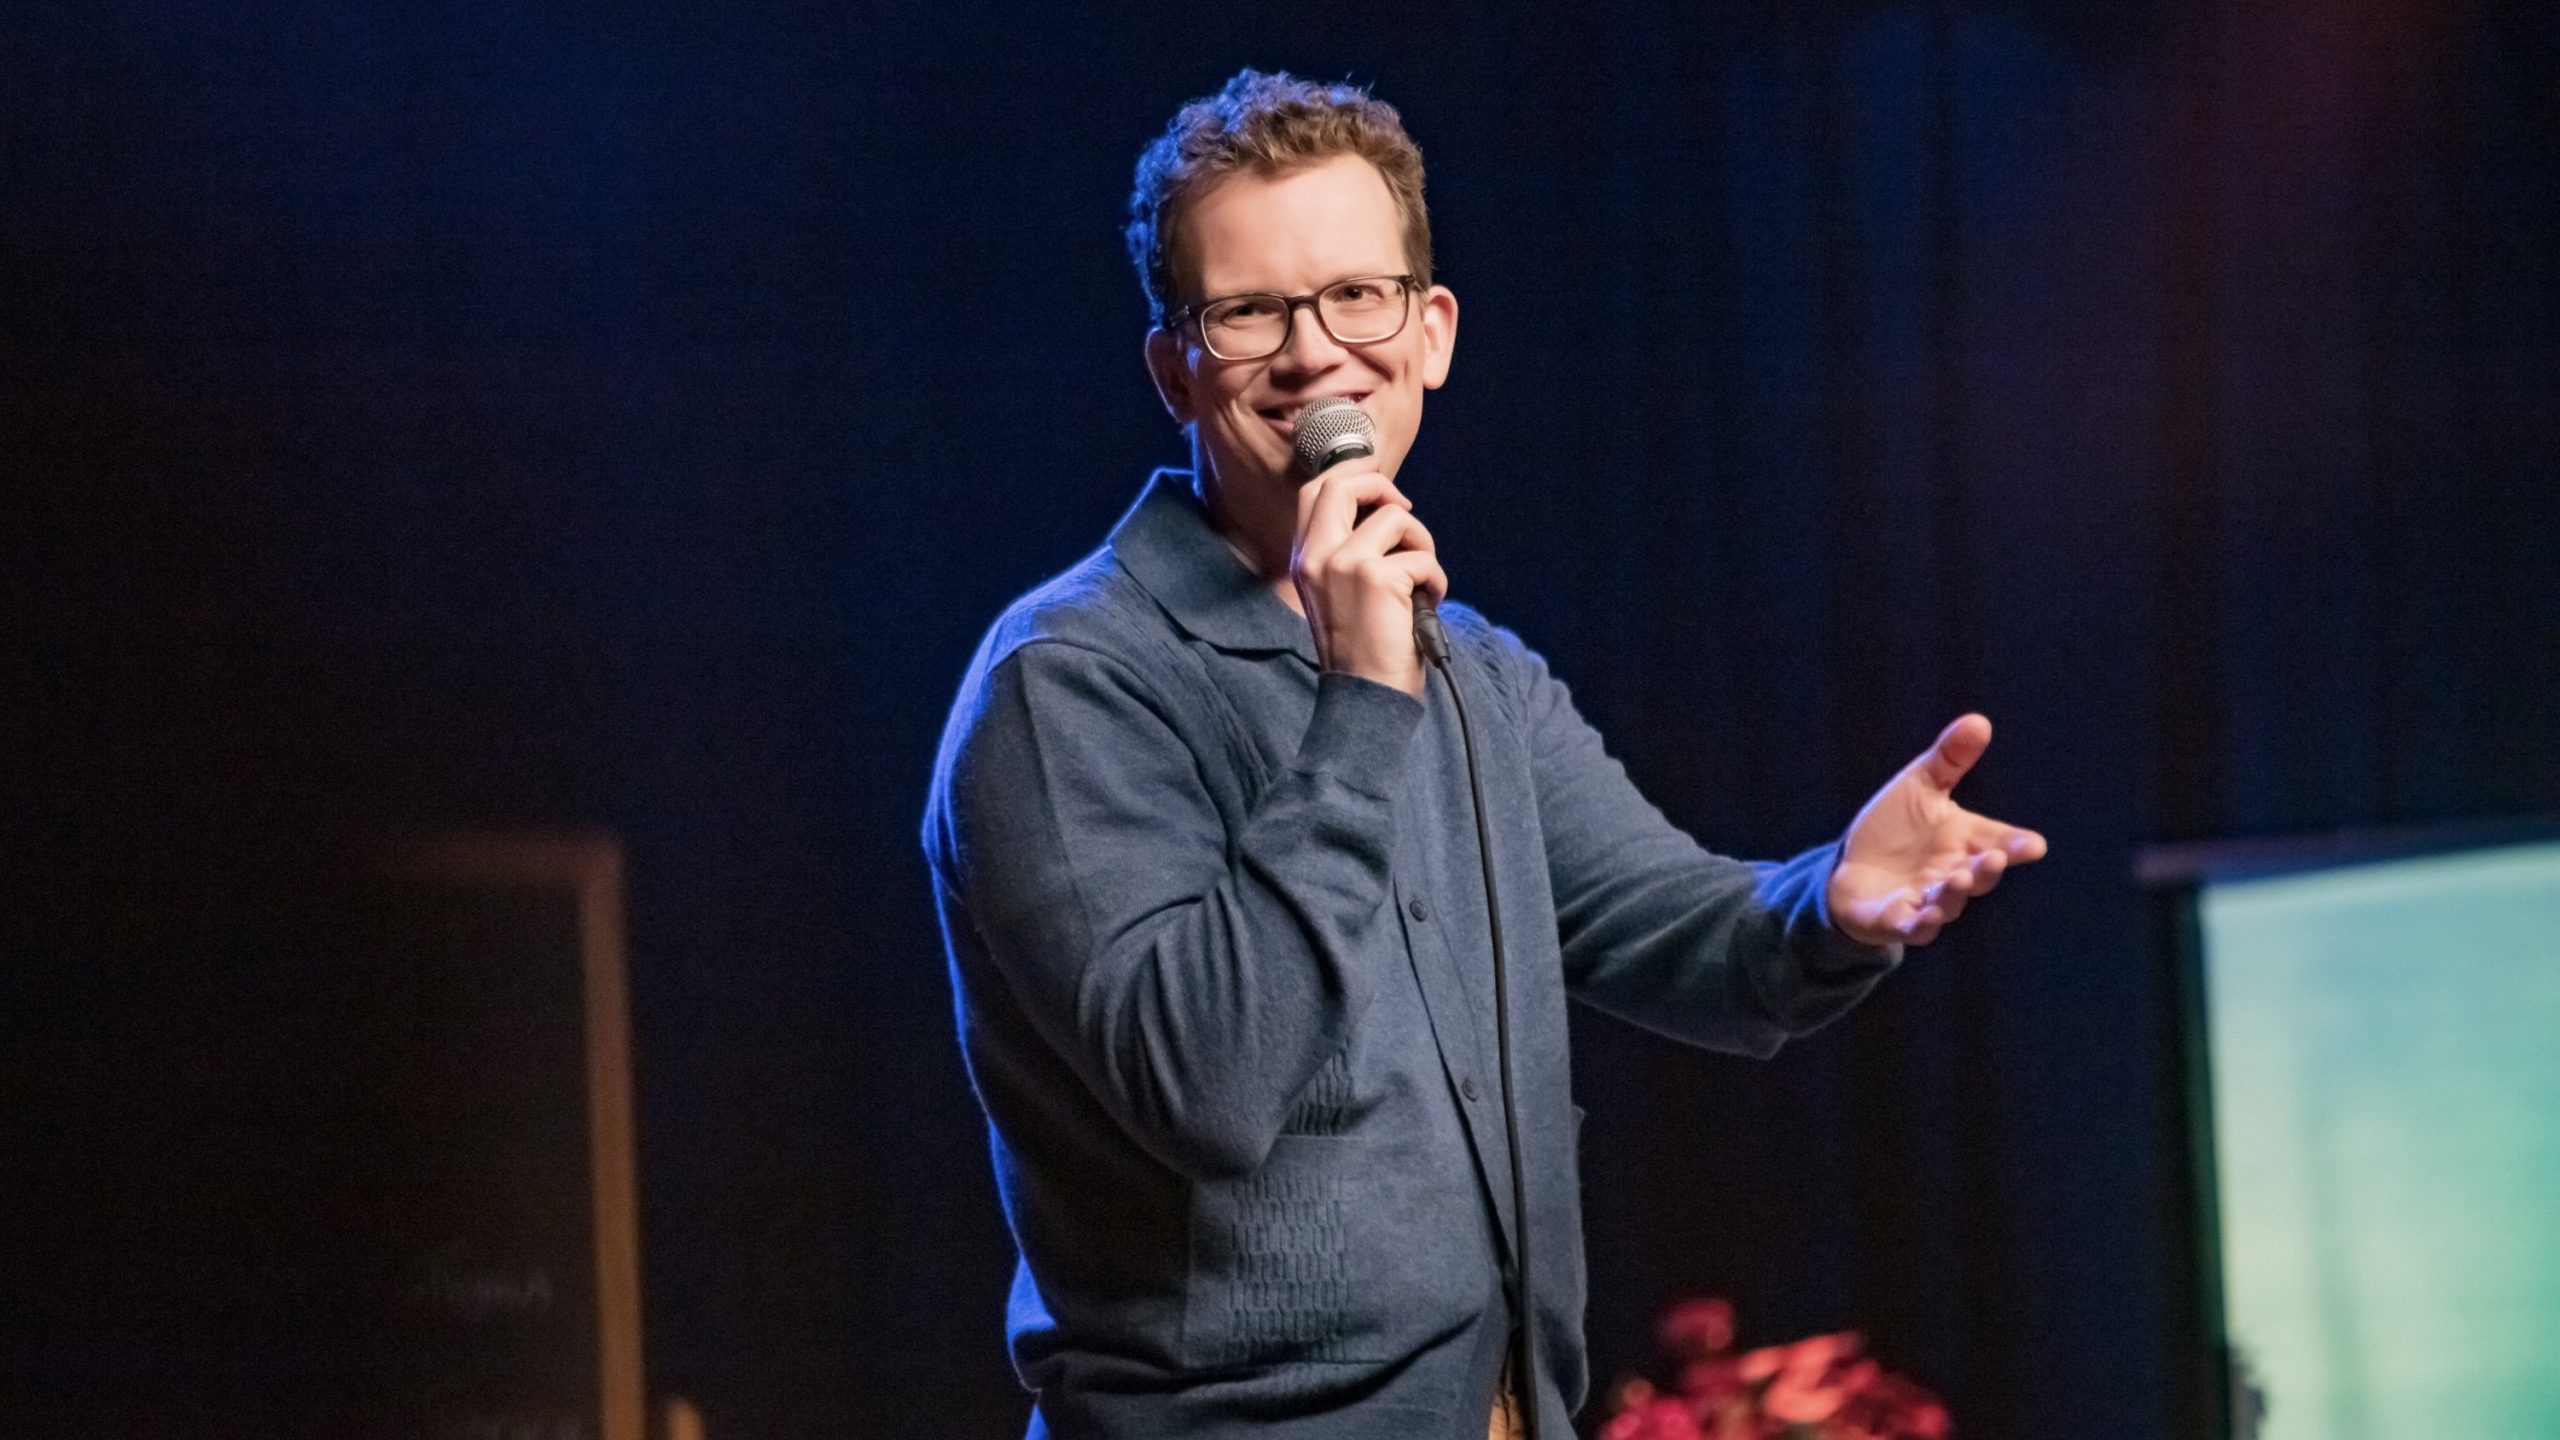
[(1330, 431)]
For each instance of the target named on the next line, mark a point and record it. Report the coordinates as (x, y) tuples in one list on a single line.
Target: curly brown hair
[(1266, 124)]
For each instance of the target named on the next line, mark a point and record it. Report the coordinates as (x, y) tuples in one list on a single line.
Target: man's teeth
[(1290, 412)]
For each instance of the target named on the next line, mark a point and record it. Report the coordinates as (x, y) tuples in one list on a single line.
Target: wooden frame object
[(590, 869)]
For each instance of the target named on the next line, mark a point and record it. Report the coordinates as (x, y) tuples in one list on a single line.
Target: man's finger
[(2024, 847), (1971, 879), (1976, 878), (2014, 844), (1388, 530), (1421, 571), (1986, 871), (1948, 893), (1958, 747), (1329, 507)]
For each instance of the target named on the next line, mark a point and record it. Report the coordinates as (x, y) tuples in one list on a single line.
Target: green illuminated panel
[(2385, 1045)]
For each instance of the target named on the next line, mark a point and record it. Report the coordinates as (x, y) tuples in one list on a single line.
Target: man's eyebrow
[(1357, 273)]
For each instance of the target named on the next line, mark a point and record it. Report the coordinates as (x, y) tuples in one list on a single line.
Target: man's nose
[(1310, 346)]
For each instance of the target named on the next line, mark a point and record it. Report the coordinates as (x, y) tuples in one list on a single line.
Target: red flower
[(1806, 1382), (1820, 1388), (1661, 1418), (1890, 1406), (1713, 1380), (1696, 1328)]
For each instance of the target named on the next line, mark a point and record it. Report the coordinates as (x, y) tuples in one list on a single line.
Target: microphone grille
[(1329, 430)]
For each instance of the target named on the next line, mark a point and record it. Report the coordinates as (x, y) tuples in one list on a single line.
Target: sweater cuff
[(1359, 733)]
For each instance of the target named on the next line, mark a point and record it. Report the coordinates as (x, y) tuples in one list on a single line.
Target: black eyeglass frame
[(1408, 285)]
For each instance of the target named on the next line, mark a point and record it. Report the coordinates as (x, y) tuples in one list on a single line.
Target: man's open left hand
[(1914, 858)]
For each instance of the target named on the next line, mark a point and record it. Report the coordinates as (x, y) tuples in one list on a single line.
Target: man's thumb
[(1958, 747)]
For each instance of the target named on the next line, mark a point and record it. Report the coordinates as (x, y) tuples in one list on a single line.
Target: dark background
[(469, 414)]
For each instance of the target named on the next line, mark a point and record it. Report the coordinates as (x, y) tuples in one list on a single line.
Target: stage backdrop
[(628, 418)]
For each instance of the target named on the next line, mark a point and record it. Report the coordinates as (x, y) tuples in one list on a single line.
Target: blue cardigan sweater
[(1219, 949)]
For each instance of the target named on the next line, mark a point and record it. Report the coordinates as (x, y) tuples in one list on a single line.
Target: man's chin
[(1251, 473)]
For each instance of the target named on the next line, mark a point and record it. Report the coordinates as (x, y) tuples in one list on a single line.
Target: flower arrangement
[(1816, 1389)]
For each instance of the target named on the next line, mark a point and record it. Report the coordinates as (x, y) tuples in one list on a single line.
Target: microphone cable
[(1432, 639), (1329, 430)]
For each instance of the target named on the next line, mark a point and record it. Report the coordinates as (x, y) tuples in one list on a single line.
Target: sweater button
[(1467, 1087), (1414, 909)]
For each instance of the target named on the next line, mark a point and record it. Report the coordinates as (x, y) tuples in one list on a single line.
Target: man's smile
[(1284, 418)]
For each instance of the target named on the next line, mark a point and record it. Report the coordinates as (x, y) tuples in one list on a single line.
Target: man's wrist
[(1830, 947)]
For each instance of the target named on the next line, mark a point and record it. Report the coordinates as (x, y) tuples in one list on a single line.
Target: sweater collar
[(1167, 544)]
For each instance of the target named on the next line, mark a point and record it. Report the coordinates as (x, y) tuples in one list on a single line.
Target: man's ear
[(1439, 334), (1172, 376)]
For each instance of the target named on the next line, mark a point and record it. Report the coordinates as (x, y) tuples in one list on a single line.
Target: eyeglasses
[(1360, 311)]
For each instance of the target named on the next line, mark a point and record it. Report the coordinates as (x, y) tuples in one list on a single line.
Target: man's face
[(1294, 234)]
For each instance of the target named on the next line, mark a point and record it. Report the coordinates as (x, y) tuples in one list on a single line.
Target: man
[(1208, 871)]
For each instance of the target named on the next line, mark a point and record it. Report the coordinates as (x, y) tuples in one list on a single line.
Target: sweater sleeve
[(1194, 979), (1655, 928)]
